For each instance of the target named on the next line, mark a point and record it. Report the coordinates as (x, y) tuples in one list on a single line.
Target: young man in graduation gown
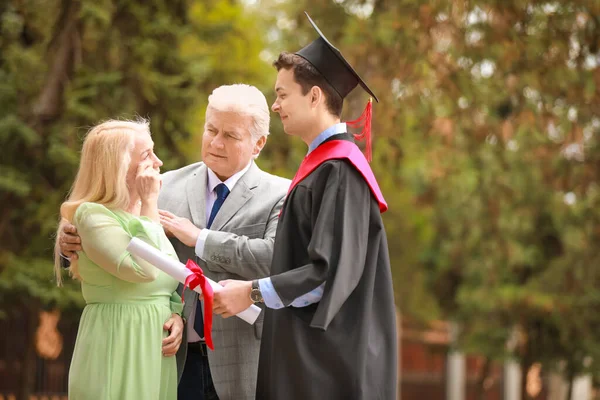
[(330, 328)]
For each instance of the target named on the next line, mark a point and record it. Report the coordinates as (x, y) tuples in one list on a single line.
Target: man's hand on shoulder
[(69, 241), (181, 228)]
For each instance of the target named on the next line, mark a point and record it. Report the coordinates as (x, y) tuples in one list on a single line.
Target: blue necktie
[(222, 193)]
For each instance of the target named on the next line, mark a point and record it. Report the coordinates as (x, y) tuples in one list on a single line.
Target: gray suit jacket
[(240, 246)]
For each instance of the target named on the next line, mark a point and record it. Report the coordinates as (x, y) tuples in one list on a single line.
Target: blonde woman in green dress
[(131, 305)]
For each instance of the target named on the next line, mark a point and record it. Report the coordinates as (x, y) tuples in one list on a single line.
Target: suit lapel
[(196, 196), (241, 193)]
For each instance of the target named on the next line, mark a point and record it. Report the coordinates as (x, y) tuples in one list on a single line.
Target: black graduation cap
[(342, 77), (332, 65)]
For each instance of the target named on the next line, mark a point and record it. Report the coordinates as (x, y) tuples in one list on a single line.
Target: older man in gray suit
[(223, 213)]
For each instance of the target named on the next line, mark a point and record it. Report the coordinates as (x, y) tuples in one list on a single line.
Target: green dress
[(118, 352)]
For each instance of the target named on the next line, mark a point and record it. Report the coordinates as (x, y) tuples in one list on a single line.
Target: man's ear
[(260, 143), (316, 96)]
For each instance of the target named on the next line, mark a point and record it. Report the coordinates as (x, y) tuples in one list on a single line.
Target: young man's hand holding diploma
[(233, 298)]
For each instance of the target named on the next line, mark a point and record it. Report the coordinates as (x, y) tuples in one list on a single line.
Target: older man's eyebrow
[(232, 132)]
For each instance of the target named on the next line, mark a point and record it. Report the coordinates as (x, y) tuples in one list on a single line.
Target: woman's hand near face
[(148, 184)]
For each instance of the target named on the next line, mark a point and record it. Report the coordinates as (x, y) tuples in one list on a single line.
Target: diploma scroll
[(178, 271)]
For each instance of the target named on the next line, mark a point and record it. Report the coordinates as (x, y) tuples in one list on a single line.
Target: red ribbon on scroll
[(197, 278)]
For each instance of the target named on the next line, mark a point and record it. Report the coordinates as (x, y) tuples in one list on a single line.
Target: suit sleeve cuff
[(269, 295), (201, 242), (64, 261)]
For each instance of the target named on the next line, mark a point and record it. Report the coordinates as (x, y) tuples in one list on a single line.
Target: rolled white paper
[(178, 271)]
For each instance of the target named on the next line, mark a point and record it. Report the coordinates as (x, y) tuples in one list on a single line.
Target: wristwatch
[(255, 294)]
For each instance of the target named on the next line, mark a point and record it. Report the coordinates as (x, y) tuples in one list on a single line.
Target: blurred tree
[(513, 157), (65, 65)]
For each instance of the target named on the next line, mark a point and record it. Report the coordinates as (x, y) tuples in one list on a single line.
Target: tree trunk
[(63, 53)]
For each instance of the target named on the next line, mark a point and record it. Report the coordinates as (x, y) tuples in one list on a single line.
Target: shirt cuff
[(269, 295), (314, 296), (200, 242)]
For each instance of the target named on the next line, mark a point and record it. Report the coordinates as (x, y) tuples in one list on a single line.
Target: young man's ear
[(316, 95)]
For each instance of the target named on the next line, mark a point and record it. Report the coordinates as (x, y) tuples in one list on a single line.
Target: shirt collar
[(326, 134), (213, 179)]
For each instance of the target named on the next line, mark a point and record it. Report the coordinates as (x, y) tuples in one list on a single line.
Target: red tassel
[(364, 122)]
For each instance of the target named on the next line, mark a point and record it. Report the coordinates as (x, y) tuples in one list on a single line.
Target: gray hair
[(246, 100)]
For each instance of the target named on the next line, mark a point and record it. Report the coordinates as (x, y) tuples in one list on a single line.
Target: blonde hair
[(245, 100), (102, 175)]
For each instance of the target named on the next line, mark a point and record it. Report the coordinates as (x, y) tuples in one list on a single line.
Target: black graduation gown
[(343, 347)]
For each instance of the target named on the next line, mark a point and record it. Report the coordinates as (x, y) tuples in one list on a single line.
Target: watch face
[(255, 295)]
